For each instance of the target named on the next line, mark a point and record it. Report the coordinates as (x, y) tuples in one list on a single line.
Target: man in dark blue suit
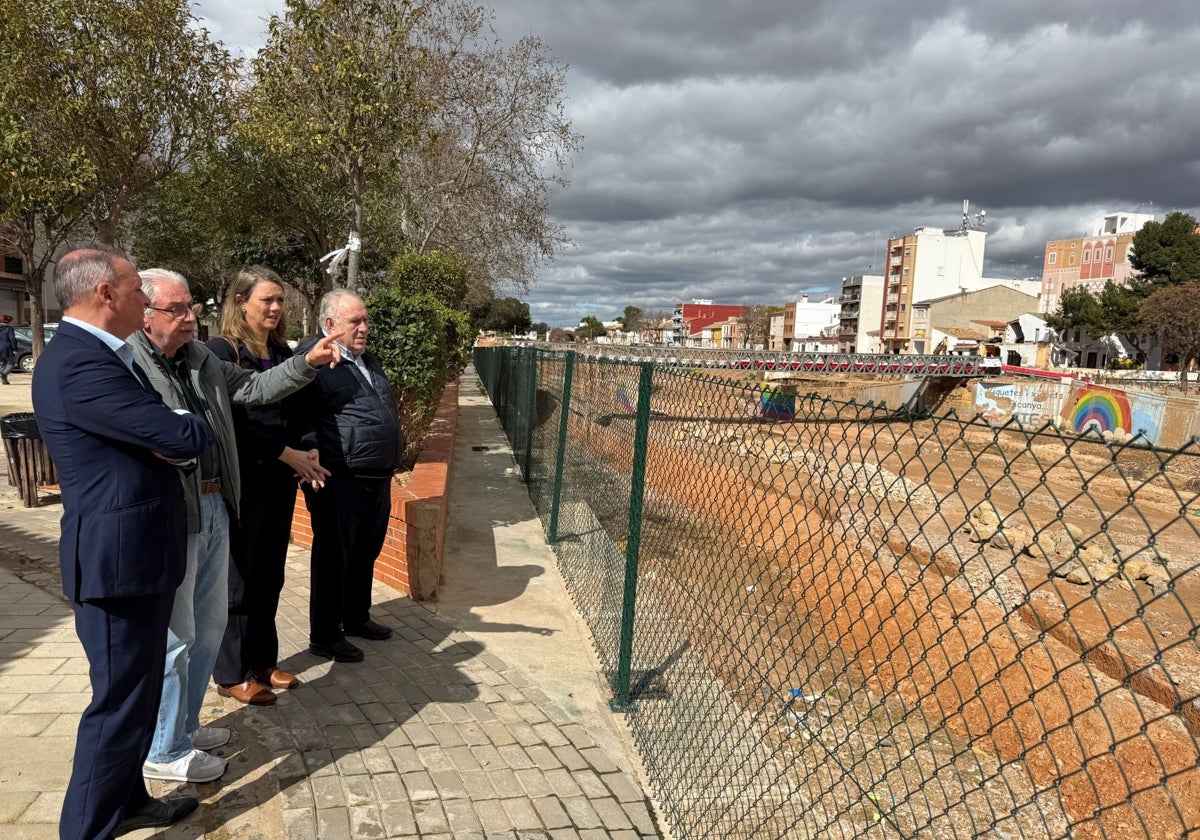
[(117, 449)]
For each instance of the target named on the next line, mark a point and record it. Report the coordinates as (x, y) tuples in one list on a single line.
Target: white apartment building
[(806, 318), (929, 263)]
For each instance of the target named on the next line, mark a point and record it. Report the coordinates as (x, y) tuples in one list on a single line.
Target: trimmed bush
[(421, 344)]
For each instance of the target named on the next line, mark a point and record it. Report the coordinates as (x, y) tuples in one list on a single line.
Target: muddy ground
[(921, 628)]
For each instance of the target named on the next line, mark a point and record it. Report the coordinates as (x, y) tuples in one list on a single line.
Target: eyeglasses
[(178, 313)]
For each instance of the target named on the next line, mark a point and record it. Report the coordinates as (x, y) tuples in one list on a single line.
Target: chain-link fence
[(829, 619)]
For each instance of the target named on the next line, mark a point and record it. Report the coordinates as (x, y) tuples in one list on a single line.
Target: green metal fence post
[(637, 488), (531, 412), (564, 411)]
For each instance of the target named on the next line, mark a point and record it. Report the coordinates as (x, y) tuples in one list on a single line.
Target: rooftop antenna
[(980, 222)]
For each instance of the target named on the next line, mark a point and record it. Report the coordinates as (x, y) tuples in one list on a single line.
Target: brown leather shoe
[(250, 692), (277, 679)]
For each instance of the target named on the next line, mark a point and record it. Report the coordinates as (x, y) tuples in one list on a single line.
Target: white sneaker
[(196, 766), (210, 737)]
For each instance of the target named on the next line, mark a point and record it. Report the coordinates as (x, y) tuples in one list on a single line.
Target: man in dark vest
[(349, 415)]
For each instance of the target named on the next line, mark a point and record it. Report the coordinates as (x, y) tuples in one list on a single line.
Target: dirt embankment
[(1044, 651)]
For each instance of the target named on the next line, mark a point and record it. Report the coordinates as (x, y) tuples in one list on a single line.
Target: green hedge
[(422, 344)]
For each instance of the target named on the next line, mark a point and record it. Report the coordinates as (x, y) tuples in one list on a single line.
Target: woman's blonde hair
[(233, 319)]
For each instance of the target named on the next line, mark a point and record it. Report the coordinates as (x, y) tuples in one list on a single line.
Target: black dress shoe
[(341, 651), (156, 813), (369, 630)]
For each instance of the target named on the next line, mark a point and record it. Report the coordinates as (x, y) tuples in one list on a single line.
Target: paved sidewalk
[(483, 718)]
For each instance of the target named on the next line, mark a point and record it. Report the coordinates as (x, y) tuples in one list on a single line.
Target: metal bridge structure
[(797, 363)]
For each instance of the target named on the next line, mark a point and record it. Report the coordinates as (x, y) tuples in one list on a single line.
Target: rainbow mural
[(776, 404), (1099, 410)]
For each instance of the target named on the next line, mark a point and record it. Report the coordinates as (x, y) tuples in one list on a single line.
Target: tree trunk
[(354, 257), (106, 231), (356, 222), (37, 314)]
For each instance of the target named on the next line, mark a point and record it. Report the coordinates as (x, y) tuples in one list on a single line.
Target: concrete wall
[(1168, 421)]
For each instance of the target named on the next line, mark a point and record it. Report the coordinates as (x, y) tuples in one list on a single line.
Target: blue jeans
[(197, 623)]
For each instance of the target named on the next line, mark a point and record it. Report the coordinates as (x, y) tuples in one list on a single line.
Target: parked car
[(25, 344)]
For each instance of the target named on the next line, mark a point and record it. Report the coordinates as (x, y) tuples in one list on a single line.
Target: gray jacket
[(219, 384)]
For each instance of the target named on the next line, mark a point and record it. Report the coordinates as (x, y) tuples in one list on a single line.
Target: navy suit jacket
[(124, 524)]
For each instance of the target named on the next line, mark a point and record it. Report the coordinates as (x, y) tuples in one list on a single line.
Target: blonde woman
[(252, 336)]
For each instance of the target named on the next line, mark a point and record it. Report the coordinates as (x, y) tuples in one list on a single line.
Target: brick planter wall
[(411, 559)]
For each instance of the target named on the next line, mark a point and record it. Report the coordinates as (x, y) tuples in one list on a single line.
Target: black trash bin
[(19, 425), (29, 464)]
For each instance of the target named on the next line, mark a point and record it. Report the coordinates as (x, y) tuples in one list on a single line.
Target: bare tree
[(498, 141), (754, 325), (1173, 312)]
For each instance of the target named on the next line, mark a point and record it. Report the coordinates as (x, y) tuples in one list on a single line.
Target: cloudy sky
[(751, 151)]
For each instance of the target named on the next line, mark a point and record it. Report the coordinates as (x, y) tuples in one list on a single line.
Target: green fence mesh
[(834, 619)]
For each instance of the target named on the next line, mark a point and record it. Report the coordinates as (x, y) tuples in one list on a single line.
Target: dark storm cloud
[(755, 150)]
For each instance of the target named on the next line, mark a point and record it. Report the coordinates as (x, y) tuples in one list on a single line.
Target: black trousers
[(349, 522), (125, 640), (258, 544)]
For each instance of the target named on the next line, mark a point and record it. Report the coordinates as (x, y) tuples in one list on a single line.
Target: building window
[(908, 251), (1108, 254), (13, 265), (1052, 259), (905, 271), (1071, 260), (1087, 256)]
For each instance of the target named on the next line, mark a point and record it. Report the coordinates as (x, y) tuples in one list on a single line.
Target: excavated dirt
[(995, 630)]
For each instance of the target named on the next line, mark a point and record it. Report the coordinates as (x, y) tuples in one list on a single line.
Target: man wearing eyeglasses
[(191, 377)]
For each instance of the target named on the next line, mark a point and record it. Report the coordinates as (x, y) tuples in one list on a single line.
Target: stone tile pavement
[(455, 728)]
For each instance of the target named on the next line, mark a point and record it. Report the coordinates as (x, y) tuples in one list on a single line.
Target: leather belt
[(213, 485)]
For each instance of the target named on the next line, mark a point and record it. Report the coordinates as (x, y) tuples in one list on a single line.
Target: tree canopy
[(507, 314), (1167, 252), (383, 127), (102, 102), (442, 274), (631, 320), (404, 125), (590, 328), (1173, 312), (337, 90)]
